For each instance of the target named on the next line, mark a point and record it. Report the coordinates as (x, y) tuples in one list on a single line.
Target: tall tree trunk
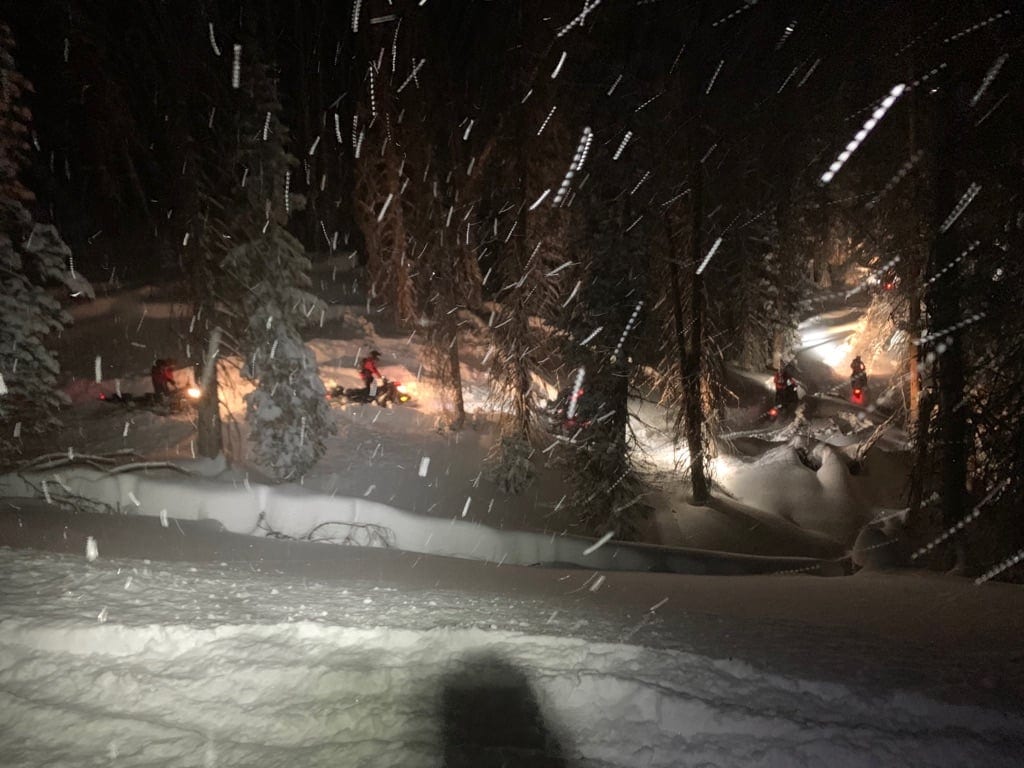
[(913, 284), (455, 374), (210, 436), (693, 401), (944, 311)]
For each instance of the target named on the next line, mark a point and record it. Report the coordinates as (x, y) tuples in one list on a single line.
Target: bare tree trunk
[(914, 281), (944, 310), (914, 350), (210, 436), (692, 404), (455, 374)]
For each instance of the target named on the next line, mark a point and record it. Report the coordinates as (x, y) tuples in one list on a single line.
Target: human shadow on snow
[(491, 718)]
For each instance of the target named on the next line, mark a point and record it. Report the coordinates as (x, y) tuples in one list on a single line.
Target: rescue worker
[(368, 371)]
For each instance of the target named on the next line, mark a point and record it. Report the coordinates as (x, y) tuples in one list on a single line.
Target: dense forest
[(634, 194)]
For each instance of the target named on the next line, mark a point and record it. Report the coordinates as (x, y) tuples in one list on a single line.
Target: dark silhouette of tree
[(33, 257)]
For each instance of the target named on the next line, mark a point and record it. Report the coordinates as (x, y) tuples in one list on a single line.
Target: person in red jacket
[(162, 374), (368, 370)]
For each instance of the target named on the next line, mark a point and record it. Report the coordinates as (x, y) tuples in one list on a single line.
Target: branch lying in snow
[(50, 460), (867, 445), (148, 465), (373, 534), (64, 498), (102, 463)]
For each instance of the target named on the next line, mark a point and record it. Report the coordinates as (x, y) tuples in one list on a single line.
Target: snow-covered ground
[(200, 636), (287, 652)]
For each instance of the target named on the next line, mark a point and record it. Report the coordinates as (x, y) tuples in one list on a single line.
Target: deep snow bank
[(119, 663), (256, 509)]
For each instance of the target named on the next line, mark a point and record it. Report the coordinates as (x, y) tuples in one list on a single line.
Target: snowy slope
[(140, 664)]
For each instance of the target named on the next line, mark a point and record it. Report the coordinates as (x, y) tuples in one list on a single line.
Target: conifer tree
[(250, 275), (32, 257)]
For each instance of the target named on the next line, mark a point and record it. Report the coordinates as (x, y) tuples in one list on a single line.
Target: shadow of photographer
[(491, 718)]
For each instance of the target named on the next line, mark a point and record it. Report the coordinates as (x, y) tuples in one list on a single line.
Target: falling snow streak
[(588, 6), (959, 526), (645, 177), (373, 92), (938, 275), (287, 191), (266, 126), (714, 249), (546, 120), (558, 269), (711, 83), (412, 75), (897, 178), (920, 37), (675, 197), (575, 290), (868, 126), (558, 66), (646, 103), (213, 42), (630, 324), (786, 34), (961, 206), (996, 570), (993, 71), (975, 27), (578, 159), (236, 67), (788, 78), (949, 330), (384, 208), (615, 85), (593, 335), (598, 544), (622, 145), (810, 72), (745, 7), (576, 390), (356, 6), (995, 106)]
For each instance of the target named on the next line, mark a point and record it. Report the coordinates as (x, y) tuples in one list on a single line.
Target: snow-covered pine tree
[(529, 257), (251, 276), (760, 308), (32, 257), (606, 488)]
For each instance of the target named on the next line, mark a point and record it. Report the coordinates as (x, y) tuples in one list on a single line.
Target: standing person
[(162, 375), (786, 393), (368, 371), (858, 369)]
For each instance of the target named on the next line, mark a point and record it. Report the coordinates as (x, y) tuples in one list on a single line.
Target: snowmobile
[(389, 392), (178, 401), (858, 387), (785, 401), (562, 418)]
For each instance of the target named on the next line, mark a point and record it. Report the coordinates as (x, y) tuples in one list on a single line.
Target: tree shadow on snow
[(491, 718)]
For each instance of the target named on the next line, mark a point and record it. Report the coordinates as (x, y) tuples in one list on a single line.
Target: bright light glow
[(194, 392)]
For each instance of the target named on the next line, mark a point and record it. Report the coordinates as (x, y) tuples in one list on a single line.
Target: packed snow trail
[(144, 664)]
